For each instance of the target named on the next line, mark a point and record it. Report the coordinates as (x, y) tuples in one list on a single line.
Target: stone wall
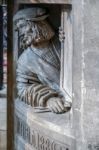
[(86, 73)]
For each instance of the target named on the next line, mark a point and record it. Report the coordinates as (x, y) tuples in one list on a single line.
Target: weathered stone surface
[(91, 72), (86, 74), (49, 127)]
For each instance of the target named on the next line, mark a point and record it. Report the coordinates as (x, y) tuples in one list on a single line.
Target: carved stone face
[(31, 32), (32, 26)]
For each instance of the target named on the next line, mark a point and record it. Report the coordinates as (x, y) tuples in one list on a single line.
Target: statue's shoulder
[(28, 58), (25, 62), (25, 56)]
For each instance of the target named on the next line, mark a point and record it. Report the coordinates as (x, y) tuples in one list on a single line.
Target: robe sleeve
[(32, 91)]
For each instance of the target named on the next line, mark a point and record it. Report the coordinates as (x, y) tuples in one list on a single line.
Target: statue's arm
[(34, 93)]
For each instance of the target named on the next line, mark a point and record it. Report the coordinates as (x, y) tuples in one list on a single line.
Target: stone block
[(37, 130)]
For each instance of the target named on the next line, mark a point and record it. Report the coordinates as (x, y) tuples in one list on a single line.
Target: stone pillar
[(86, 73)]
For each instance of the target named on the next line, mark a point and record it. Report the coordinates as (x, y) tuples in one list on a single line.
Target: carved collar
[(49, 54)]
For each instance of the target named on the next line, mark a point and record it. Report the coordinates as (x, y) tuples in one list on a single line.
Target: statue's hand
[(56, 105)]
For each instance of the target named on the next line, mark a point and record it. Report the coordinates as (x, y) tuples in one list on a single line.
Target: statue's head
[(32, 26)]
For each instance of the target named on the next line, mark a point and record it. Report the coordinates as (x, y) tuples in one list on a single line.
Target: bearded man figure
[(38, 67)]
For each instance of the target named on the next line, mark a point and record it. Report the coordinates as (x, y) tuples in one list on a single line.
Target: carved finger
[(60, 105), (54, 109), (54, 106), (59, 110)]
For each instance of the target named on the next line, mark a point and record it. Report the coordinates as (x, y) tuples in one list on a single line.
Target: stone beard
[(38, 67)]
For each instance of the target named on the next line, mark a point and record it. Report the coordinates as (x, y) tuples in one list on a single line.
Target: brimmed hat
[(32, 26), (33, 14)]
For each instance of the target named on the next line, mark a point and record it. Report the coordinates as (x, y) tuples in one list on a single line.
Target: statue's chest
[(49, 54)]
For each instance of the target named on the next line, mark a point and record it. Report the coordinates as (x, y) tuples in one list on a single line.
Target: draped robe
[(38, 74)]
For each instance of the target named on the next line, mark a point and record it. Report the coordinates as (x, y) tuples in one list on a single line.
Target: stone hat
[(33, 14), (32, 27)]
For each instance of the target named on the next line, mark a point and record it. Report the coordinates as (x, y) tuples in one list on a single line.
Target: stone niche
[(42, 130)]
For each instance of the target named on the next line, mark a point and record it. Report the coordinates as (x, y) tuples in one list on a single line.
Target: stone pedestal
[(42, 131)]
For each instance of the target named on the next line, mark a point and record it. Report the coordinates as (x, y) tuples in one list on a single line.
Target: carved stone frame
[(11, 66), (65, 36), (66, 53), (66, 49)]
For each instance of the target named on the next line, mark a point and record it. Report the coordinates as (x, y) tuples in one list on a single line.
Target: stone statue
[(38, 67)]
